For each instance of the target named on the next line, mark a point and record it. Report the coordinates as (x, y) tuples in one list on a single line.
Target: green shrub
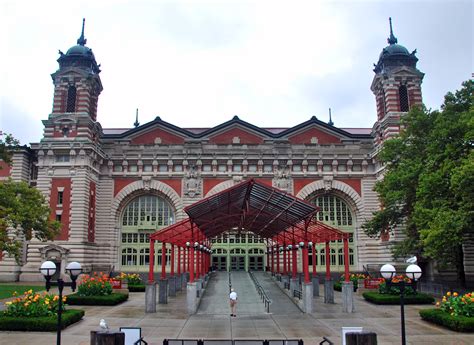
[(337, 286), (457, 305), (455, 323), (136, 288), (112, 299), (40, 324), (378, 298)]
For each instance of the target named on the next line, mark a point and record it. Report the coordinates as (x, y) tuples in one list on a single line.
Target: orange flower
[(448, 293), (437, 304), (455, 294)]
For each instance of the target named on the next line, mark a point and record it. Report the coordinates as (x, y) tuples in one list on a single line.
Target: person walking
[(233, 302)]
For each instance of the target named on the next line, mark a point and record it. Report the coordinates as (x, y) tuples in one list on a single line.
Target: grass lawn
[(6, 290)]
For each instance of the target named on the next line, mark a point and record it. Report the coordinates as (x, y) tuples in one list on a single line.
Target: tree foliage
[(6, 145), (24, 214), (428, 186)]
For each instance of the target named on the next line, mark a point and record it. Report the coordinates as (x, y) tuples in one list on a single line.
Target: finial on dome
[(81, 40), (392, 39), (330, 123), (136, 123)]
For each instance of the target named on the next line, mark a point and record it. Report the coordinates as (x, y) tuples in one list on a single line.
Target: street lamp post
[(48, 268), (413, 272)]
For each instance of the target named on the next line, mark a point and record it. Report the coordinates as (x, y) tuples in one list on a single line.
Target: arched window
[(333, 257), (340, 254), (403, 98), (333, 210), (148, 211), (129, 257), (71, 99), (144, 257)]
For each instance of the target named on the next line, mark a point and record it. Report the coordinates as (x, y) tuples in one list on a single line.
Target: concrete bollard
[(150, 297), (328, 291), (107, 338)]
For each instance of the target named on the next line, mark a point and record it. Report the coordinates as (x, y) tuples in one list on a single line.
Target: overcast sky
[(198, 63)]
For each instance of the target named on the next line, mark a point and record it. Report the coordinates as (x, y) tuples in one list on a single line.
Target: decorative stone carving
[(192, 182), (328, 183), (282, 180), (146, 182)]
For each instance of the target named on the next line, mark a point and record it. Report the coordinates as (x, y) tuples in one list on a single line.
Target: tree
[(6, 147), (24, 210), (428, 185)]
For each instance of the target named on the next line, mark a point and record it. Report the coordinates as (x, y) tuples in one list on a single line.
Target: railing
[(326, 340), (261, 292), (297, 293), (234, 342), (286, 285)]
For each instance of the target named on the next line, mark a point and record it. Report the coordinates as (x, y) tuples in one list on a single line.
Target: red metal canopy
[(250, 206)]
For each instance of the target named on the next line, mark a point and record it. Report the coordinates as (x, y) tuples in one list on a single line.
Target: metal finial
[(136, 123), (81, 40), (330, 123), (392, 39)]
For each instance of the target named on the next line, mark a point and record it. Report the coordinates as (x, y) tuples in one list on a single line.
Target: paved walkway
[(171, 320)]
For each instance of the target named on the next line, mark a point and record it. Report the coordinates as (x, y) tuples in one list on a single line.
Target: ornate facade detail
[(192, 182), (282, 179)]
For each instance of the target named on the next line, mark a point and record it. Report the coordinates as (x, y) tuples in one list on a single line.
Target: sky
[(199, 63)]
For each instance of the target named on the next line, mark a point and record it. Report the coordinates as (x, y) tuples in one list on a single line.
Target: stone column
[(348, 297), (294, 285), (315, 281), (307, 297), (172, 286), (191, 297), (328, 291), (163, 292), (198, 287), (179, 282), (150, 297)]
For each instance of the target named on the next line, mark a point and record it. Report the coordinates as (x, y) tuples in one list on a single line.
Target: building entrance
[(237, 263), (255, 263), (219, 263)]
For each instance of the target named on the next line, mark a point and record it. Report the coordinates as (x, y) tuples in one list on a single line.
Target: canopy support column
[(328, 284), (151, 274), (278, 259)]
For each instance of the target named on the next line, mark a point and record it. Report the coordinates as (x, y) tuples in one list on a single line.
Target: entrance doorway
[(255, 263), (237, 263), (219, 263)]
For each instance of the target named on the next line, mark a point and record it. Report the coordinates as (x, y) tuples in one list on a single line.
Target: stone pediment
[(53, 251)]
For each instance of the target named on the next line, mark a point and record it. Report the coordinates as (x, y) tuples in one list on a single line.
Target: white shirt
[(233, 295)]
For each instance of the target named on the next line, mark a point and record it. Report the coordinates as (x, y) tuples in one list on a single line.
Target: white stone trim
[(336, 185), (154, 185), (220, 187)]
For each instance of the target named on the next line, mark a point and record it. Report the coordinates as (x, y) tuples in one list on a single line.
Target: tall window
[(403, 94), (71, 99), (60, 197), (335, 212)]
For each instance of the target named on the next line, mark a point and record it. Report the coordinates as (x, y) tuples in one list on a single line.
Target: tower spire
[(392, 39), (330, 123), (81, 40), (136, 123)]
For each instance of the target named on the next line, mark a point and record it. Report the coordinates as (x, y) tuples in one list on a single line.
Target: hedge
[(40, 324), (112, 299), (442, 318), (378, 298), (338, 286), (136, 288)]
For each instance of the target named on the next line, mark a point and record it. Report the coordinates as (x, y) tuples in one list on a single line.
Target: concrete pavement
[(214, 322)]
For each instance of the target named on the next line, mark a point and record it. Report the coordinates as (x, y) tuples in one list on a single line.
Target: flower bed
[(36, 312), (455, 323), (379, 298), (455, 312), (40, 323), (112, 299)]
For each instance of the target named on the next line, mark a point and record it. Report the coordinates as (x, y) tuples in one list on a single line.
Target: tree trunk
[(460, 267)]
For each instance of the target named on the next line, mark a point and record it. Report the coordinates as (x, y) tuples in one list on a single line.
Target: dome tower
[(396, 86), (77, 84)]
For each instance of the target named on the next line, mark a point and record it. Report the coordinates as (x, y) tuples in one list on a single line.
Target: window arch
[(71, 99), (403, 98), (148, 211), (333, 210)]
